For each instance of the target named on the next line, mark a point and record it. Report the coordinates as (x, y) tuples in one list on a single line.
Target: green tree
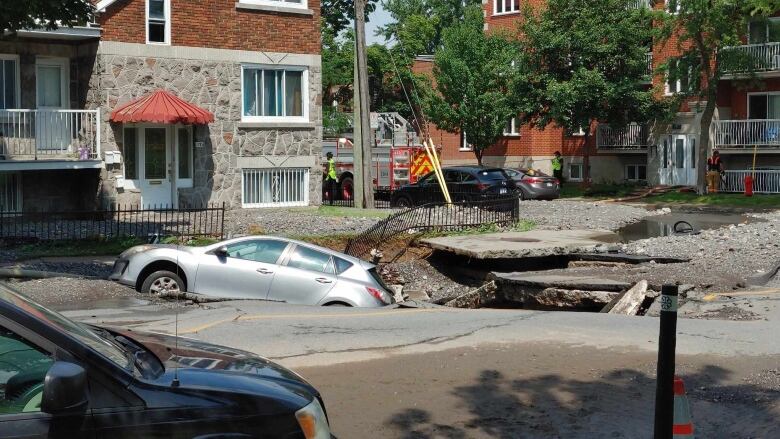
[(48, 14), (473, 73), (703, 31), (338, 14), (583, 63)]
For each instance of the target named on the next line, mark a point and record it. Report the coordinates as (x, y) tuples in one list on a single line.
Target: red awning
[(161, 107)]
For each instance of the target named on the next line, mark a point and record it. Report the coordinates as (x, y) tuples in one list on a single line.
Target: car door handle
[(264, 271), (324, 280)]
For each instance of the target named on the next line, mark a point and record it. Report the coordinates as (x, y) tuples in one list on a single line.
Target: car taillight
[(482, 186), (379, 295), (534, 180)]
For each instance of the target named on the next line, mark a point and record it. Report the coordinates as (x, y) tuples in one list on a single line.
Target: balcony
[(766, 57), (70, 137), (634, 137), (765, 181), (749, 133), (639, 4)]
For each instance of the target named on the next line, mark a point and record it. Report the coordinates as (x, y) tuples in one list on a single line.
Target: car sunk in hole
[(59, 378), (533, 184), (254, 267)]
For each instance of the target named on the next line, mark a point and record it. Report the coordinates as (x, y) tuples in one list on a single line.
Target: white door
[(677, 160), (156, 167), (52, 125)]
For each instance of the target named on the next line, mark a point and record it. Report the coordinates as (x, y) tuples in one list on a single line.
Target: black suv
[(63, 379), (465, 183)]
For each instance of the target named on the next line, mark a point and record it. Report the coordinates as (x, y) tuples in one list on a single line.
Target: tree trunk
[(704, 145), (585, 159), (478, 154)]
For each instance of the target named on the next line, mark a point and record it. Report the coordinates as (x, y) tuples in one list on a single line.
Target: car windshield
[(100, 343)]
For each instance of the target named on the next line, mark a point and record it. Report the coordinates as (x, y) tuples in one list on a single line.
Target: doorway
[(677, 156), (52, 77), (156, 163)]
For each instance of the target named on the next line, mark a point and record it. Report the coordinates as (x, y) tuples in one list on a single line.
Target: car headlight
[(313, 421), (135, 250)]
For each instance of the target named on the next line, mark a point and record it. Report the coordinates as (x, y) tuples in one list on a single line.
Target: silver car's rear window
[(342, 265)]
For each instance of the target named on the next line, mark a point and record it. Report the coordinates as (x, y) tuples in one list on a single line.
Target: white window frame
[(636, 171), (514, 9), (514, 129), (17, 78), (304, 4), (167, 13), (582, 170), (304, 94), (284, 203), (766, 29), (667, 90), (184, 182), (464, 143), (759, 93), (64, 65)]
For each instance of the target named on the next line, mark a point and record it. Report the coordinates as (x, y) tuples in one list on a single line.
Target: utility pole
[(364, 187)]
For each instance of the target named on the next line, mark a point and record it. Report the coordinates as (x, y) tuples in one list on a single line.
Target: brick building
[(252, 66), (745, 118)]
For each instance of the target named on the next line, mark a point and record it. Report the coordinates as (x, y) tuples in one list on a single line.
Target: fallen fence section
[(437, 216), (118, 222)]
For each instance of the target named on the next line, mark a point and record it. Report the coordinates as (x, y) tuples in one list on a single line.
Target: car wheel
[(522, 195), (161, 282), (404, 202)]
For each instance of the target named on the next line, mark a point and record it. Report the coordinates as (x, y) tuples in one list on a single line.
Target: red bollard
[(748, 185)]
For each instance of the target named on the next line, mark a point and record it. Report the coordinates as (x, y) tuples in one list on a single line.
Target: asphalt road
[(445, 373)]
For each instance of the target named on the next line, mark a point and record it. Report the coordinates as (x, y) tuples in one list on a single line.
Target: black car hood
[(200, 365)]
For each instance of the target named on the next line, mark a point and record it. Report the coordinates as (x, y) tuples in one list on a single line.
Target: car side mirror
[(221, 251), (65, 389)]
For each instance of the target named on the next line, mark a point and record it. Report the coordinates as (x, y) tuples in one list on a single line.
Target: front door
[(52, 124), (677, 156), (156, 167)]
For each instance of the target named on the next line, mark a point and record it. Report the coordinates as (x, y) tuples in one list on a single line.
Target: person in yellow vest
[(331, 179), (557, 166)]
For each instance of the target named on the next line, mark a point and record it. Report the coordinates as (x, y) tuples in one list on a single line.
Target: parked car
[(59, 378), (254, 267), (465, 183), (534, 184)]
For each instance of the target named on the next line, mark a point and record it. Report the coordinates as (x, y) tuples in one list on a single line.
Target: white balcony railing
[(764, 181), (639, 4), (766, 57), (747, 133), (633, 136), (49, 134)]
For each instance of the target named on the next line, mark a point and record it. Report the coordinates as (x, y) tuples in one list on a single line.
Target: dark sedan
[(464, 183), (63, 379), (535, 185)]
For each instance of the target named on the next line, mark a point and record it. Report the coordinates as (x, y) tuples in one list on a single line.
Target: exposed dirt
[(534, 391)]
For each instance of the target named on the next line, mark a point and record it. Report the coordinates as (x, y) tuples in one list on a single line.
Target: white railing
[(747, 133), (764, 182), (633, 136), (275, 187), (766, 56), (49, 134), (639, 4)]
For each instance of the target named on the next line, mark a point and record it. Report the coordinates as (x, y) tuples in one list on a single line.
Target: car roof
[(341, 255), (471, 168)]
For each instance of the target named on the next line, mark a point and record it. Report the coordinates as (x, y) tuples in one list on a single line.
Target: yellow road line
[(242, 317)]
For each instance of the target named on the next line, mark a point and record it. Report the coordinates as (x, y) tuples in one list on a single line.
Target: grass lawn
[(597, 191), (726, 200), (338, 211), (75, 248)]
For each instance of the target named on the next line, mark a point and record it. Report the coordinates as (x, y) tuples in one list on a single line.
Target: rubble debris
[(562, 298), (630, 302), (597, 264), (192, 297), (476, 298)]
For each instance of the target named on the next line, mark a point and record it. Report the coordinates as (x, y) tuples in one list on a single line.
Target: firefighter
[(557, 166), (714, 170), (331, 179)]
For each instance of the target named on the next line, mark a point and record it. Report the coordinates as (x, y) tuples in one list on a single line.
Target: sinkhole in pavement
[(663, 225)]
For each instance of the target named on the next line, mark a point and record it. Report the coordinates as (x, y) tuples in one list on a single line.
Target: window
[(275, 187), (22, 372), (10, 192), (260, 250), (693, 152), (283, 3), (305, 258), (575, 171), (464, 143), (9, 81), (130, 147), (764, 31), (506, 6), (158, 28), (763, 106), (185, 153), (275, 93), (511, 128), (636, 172), (665, 162), (341, 265), (679, 151), (673, 6), (677, 82)]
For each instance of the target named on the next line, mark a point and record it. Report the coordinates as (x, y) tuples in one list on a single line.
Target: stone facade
[(211, 79)]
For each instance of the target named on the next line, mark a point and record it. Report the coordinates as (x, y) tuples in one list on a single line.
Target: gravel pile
[(562, 214), (421, 276), (291, 222)]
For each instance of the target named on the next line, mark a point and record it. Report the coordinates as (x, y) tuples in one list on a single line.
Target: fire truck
[(397, 155)]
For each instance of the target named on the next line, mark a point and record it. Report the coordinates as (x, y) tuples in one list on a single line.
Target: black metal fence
[(382, 199), (117, 222), (498, 210)]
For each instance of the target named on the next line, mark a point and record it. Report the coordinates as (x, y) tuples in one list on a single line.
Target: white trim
[(636, 165), (581, 166), (464, 144), (103, 4), (514, 129), (510, 12), (41, 165), (184, 182), (759, 93), (17, 78), (64, 65), (304, 118), (167, 14), (304, 4)]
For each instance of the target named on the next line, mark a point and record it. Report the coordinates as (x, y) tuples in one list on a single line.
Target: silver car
[(254, 267)]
